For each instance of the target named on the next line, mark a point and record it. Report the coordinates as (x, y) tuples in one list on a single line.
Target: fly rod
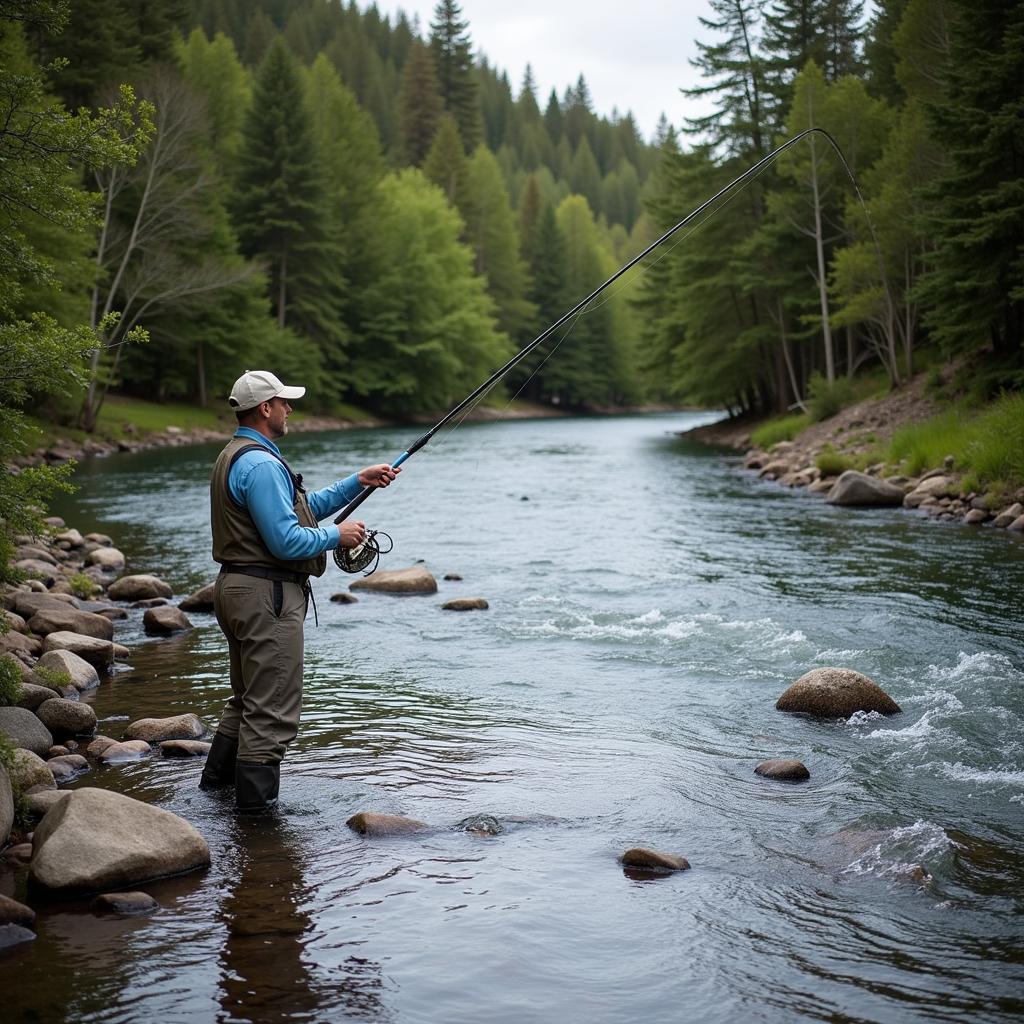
[(355, 559)]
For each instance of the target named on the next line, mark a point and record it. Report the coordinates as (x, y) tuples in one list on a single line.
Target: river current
[(649, 602)]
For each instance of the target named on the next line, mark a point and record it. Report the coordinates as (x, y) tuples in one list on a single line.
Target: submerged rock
[(481, 825), (369, 824), (14, 934), (465, 604), (184, 748), (97, 839), (66, 767), (653, 860), (415, 580), (13, 912), (783, 770), (836, 693), (854, 488), (344, 598), (127, 904), (130, 750)]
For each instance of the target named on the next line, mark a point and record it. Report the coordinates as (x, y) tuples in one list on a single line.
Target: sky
[(634, 54)]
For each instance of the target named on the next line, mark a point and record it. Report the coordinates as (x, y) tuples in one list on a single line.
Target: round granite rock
[(783, 770), (836, 693), (23, 729), (67, 717)]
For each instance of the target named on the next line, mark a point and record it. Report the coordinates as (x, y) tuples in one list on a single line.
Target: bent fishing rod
[(358, 558)]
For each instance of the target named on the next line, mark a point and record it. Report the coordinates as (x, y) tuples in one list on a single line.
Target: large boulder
[(32, 695), (200, 601), (50, 620), (38, 569), (138, 588), (99, 653), (79, 672), (6, 806), (23, 729), (836, 693), (853, 488), (67, 717), (415, 580), (29, 773), (18, 644), (165, 620), (27, 603), (96, 839), (155, 730)]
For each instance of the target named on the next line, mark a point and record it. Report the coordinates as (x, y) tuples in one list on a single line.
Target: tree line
[(795, 284)]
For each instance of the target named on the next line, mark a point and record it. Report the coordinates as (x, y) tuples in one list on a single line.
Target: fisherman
[(268, 544)]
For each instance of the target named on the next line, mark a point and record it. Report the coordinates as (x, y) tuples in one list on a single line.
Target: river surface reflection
[(649, 602)]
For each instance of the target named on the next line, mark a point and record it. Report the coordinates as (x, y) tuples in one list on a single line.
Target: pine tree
[(740, 125), (974, 291), (584, 176), (419, 105), (281, 207), (456, 77), (491, 233), (445, 164), (530, 207)]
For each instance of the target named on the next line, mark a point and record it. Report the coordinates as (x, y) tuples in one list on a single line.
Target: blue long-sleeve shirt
[(260, 483)]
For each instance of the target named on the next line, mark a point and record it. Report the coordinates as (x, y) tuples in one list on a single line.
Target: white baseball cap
[(256, 386)]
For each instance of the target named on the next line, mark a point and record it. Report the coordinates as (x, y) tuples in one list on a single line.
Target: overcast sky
[(634, 54)]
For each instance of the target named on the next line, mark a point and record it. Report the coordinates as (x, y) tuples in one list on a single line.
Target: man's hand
[(352, 533), (378, 476)]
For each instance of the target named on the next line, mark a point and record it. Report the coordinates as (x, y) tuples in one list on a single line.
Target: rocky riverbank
[(812, 459)]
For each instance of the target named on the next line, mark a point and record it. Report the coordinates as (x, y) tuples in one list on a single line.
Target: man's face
[(278, 418)]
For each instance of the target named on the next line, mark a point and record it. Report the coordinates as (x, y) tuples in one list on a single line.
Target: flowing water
[(649, 602)]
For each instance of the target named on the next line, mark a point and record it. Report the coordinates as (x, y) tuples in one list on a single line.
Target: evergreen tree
[(419, 105), (215, 73), (584, 176), (426, 320), (740, 125), (445, 164), (553, 118), (491, 233), (453, 63), (975, 290), (281, 209), (530, 207)]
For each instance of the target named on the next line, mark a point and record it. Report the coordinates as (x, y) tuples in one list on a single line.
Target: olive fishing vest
[(236, 540)]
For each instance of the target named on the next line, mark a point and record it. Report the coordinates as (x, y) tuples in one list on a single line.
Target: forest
[(188, 189)]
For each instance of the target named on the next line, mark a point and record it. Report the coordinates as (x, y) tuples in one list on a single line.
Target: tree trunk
[(819, 245)]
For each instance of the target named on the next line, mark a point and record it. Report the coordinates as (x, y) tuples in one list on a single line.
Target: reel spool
[(356, 559)]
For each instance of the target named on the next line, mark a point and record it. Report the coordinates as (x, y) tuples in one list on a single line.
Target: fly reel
[(362, 555)]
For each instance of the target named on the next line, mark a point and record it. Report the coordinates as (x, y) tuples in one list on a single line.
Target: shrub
[(83, 586), (782, 428), (54, 678), (824, 399), (831, 463), (10, 681)]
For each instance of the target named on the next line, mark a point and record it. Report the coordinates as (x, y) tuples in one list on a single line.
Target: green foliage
[(10, 687), (990, 443), (825, 399), (453, 64), (83, 586), (55, 679), (831, 463), (781, 428)]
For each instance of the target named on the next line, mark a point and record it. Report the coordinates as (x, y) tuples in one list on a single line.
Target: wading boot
[(219, 770), (256, 786)]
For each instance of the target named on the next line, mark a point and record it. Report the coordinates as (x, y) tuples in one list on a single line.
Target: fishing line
[(358, 558)]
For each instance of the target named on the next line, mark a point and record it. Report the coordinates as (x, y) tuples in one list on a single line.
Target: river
[(649, 602)]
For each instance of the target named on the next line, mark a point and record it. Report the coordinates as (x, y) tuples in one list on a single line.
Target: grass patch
[(782, 428), (148, 417), (831, 463), (988, 446)]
